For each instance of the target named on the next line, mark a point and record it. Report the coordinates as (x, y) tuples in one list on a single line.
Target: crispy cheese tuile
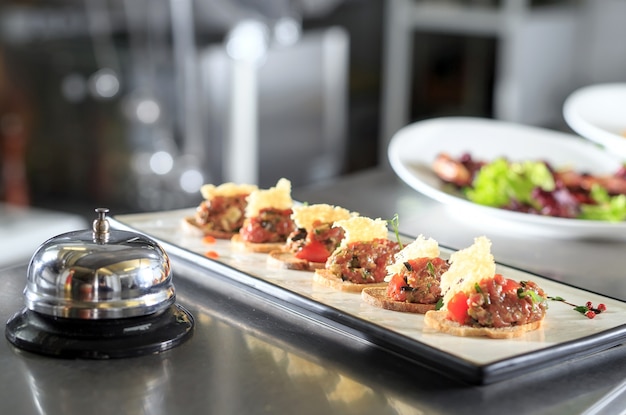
[(467, 267), (278, 197), (419, 248), (209, 191), (304, 216), (362, 229)]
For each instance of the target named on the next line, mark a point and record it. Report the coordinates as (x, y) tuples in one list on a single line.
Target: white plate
[(413, 149), (565, 333), (598, 113)]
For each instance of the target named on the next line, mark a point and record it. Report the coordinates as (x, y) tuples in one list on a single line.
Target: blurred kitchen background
[(133, 104)]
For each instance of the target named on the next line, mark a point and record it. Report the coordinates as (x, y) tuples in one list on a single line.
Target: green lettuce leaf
[(608, 208), (501, 181)]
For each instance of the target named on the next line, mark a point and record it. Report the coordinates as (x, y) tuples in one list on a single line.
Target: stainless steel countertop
[(250, 355)]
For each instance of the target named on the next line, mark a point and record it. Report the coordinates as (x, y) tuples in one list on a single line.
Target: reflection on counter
[(291, 367), (144, 393)]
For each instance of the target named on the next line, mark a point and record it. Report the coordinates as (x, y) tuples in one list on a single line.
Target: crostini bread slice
[(191, 228), (287, 260), (266, 247), (377, 296), (439, 321), (329, 279)]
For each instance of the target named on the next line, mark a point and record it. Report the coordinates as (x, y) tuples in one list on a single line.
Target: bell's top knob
[(100, 225)]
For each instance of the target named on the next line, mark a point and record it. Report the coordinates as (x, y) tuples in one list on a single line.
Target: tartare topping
[(362, 229), (305, 216), (315, 244), (418, 281), (468, 267), (277, 198), (271, 225), (363, 262), (501, 302), (420, 248)]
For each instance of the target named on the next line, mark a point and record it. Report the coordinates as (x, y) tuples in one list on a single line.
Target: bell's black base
[(99, 339)]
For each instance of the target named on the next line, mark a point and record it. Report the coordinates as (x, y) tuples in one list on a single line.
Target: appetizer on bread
[(479, 302), (222, 212), (362, 258), (413, 279), (314, 239), (267, 222)]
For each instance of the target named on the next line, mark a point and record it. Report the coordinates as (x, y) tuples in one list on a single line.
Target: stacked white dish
[(598, 113)]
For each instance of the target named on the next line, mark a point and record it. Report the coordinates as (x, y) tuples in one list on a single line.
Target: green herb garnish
[(395, 224), (477, 288), (431, 268), (535, 298), (588, 310)]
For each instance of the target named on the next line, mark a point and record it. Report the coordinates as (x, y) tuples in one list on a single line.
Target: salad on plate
[(535, 187)]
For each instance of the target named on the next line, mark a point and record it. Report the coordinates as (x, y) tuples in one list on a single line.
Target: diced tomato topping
[(271, 225), (457, 308), (510, 285), (208, 239), (211, 254), (394, 289), (255, 234), (314, 251), (498, 278)]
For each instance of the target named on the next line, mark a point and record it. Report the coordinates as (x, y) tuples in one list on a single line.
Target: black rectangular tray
[(566, 334)]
